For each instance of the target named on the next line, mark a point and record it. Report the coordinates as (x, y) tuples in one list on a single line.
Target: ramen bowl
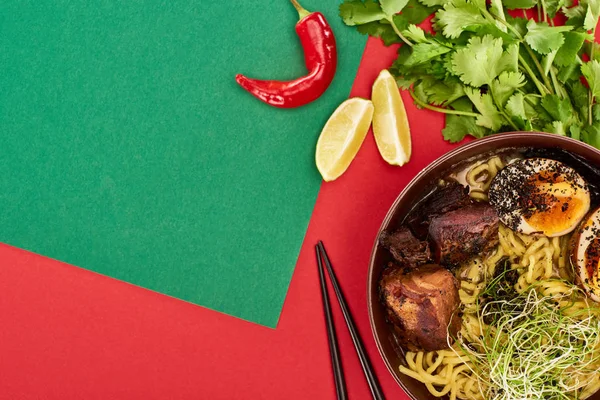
[(388, 346)]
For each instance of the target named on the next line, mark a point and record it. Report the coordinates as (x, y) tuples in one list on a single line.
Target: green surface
[(128, 149)]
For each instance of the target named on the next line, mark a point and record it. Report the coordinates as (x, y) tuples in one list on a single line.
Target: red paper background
[(66, 333)]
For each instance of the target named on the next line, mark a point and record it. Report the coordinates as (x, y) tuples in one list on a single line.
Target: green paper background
[(128, 149)]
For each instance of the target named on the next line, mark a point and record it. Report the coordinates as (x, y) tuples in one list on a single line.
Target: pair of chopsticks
[(338, 373)]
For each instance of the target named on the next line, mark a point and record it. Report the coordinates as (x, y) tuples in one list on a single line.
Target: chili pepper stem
[(302, 12)]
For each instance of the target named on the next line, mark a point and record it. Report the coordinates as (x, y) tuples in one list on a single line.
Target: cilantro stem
[(591, 97), (544, 10), (489, 15), (395, 28), (560, 91), (539, 67), (540, 87), (440, 109), (592, 47), (506, 117)]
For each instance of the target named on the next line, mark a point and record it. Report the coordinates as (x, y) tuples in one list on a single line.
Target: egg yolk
[(555, 206)]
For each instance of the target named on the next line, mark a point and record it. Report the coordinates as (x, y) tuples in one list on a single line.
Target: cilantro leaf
[(568, 51), (415, 12), (497, 10), (514, 4), (423, 52), (575, 131), (462, 104), (459, 126), (591, 72), (580, 96), (459, 16), (556, 127), (548, 60), (355, 12), (591, 15), (482, 60), (490, 116), (559, 109), (399, 20), (591, 135), (515, 106), (569, 72), (415, 34), (419, 92), (519, 24), (552, 6), (405, 82), (392, 7), (441, 93), (434, 3), (596, 112), (381, 30), (505, 85), (543, 38)]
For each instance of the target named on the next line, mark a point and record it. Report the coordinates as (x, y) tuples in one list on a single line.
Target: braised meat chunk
[(463, 233), (442, 200), (405, 248), (423, 306), (447, 198)]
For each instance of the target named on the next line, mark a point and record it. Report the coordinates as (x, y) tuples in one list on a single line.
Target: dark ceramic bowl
[(414, 191)]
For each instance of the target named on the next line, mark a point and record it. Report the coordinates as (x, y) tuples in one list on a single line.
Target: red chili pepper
[(320, 56)]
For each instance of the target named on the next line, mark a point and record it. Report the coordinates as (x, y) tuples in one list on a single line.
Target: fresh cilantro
[(356, 12), (596, 112), (392, 7), (482, 60), (514, 4), (592, 13), (459, 16), (490, 117), (558, 109), (505, 85), (556, 127), (433, 3), (580, 96), (591, 72), (591, 135), (381, 30), (415, 34), (568, 73), (567, 54), (552, 7), (497, 10), (515, 106), (544, 38), (459, 126), (423, 52), (444, 92), (415, 12), (575, 131), (547, 61), (518, 24), (490, 71)]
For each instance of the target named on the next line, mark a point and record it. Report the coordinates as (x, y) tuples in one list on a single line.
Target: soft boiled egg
[(539, 195), (585, 254)]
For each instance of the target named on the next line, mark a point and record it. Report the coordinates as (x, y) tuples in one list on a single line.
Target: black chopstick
[(338, 373), (358, 345)]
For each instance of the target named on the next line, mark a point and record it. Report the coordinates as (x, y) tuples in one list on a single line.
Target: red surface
[(66, 333)]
